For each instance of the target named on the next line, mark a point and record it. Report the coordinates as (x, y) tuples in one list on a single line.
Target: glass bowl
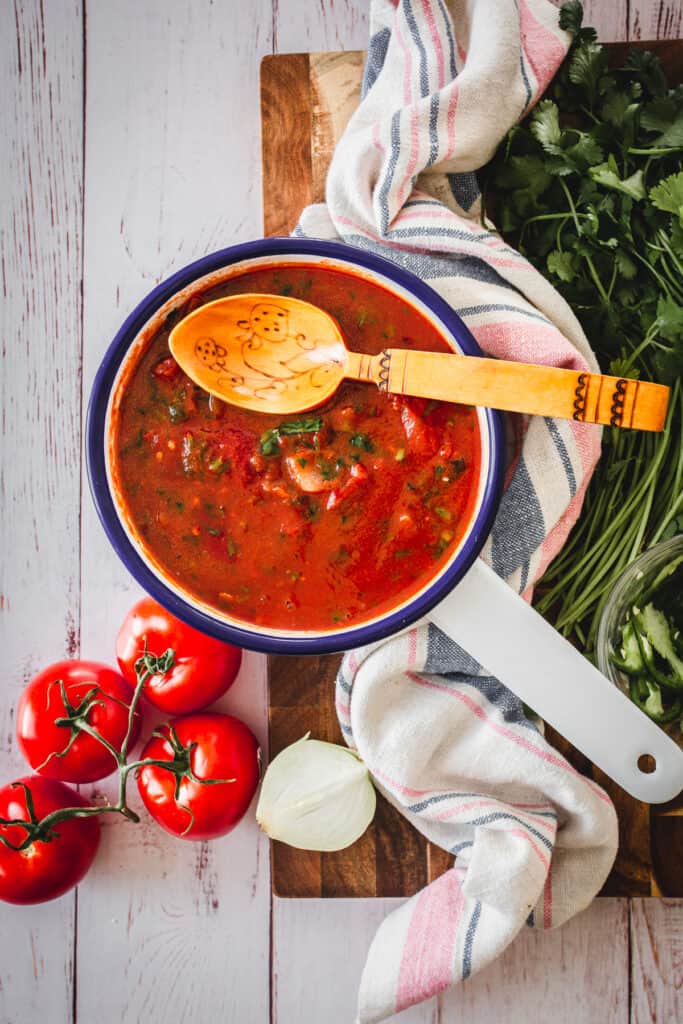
[(640, 573)]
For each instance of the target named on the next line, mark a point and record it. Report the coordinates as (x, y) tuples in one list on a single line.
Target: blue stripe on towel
[(459, 847), (389, 176), (439, 798), (469, 941), (448, 25), (522, 530), (433, 131), (502, 307), (417, 39), (488, 819), (561, 447), (374, 62), (429, 266), (522, 67)]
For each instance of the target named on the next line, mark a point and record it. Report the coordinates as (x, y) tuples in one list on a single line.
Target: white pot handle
[(515, 644)]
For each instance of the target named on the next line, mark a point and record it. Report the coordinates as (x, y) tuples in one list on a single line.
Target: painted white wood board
[(553, 975), (170, 157), (40, 335), (161, 79), (302, 27), (656, 961)]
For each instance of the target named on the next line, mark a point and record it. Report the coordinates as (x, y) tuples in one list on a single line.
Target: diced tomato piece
[(167, 369), (403, 525), (422, 439), (189, 453), (358, 474), (305, 472), (153, 439), (291, 522), (236, 447), (344, 418), (275, 488)]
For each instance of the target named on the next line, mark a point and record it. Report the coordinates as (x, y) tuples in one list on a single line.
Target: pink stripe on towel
[(427, 959)]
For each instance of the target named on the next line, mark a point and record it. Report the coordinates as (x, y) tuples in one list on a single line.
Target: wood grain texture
[(656, 961), (320, 25), (149, 177), (169, 177), (286, 131), (391, 859), (655, 19), (608, 17), (41, 126), (578, 973)]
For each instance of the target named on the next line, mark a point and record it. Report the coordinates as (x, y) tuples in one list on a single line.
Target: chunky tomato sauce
[(309, 522)]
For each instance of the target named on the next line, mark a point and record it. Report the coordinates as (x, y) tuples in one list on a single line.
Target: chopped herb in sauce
[(177, 413), (270, 439), (361, 441), (232, 547)]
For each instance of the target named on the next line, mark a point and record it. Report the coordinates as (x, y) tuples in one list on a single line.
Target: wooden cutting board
[(306, 101)]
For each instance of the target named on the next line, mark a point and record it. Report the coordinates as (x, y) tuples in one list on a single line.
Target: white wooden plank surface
[(536, 975), (163, 78), (655, 19), (170, 157), (299, 27), (40, 332), (657, 961), (577, 973), (608, 17)]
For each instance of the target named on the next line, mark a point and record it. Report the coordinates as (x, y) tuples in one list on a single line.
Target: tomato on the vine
[(199, 671), (51, 708), (50, 865), (213, 773)]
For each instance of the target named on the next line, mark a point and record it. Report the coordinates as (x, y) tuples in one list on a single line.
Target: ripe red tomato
[(42, 703), (202, 670), (44, 870), (212, 746)]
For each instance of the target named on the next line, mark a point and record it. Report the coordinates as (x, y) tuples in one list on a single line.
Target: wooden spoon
[(275, 354)]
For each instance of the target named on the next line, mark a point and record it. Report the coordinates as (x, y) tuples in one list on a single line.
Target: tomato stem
[(76, 719)]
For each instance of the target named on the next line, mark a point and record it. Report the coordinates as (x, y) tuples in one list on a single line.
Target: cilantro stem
[(654, 151)]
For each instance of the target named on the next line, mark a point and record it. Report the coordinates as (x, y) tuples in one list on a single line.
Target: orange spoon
[(280, 355)]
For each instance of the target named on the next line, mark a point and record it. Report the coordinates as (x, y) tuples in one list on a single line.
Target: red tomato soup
[(310, 522)]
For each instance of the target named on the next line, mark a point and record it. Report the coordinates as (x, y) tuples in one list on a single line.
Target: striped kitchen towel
[(445, 742)]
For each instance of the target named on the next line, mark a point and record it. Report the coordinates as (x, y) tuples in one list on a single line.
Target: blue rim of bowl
[(254, 638)]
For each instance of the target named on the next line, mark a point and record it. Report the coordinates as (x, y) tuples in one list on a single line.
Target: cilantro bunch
[(589, 188)]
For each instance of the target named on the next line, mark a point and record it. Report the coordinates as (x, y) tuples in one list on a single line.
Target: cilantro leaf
[(308, 425), (524, 172), (669, 319), (571, 16), (562, 264), (586, 152), (604, 175), (668, 195), (587, 68), (269, 442), (545, 123), (664, 115), (615, 107), (625, 265), (648, 70)]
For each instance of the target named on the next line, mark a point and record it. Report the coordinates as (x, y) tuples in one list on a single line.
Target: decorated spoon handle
[(505, 635), (523, 387)]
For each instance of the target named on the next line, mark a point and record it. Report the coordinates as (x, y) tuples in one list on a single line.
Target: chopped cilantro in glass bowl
[(640, 637)]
